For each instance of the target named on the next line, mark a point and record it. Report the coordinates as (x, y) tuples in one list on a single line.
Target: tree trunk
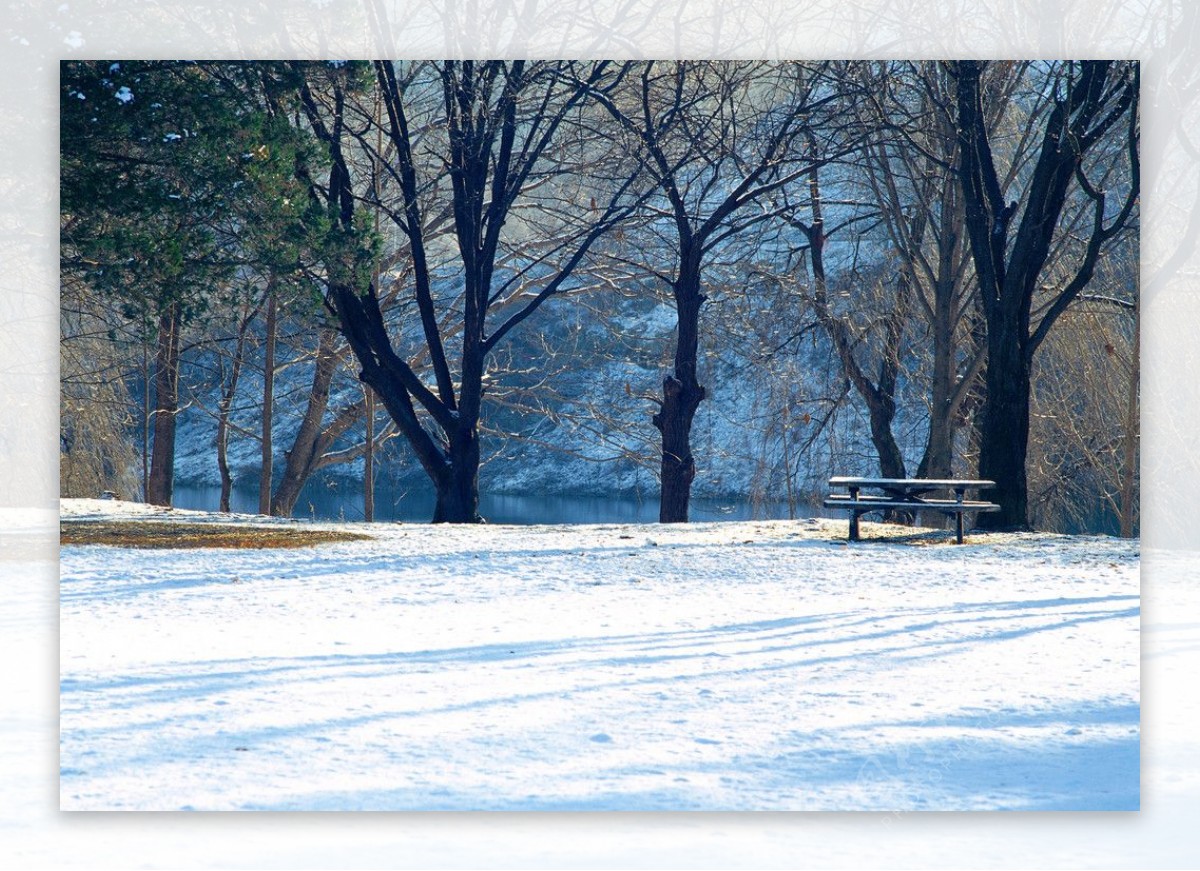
[(268, 410), (457, 488), (891, 461), (310, 442), (674, 421), (161, 482), (881, 408), (938, 459), (682, 395), (147, 416), (223, 461), (454, 477), (369, 455), (223, 432), (452, 465), (1004, 435)]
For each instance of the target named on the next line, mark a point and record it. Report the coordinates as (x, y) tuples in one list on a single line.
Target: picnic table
[(906, 494)]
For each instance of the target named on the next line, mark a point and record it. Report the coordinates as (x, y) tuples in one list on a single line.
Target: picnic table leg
[(853, 515), (958, 493)]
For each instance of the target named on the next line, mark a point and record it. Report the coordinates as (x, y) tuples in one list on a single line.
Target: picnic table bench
[(906, 494)]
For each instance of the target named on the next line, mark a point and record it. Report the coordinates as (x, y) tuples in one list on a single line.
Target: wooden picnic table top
[(907, 484)]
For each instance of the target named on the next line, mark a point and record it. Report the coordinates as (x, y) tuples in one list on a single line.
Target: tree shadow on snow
[(1073, 755)]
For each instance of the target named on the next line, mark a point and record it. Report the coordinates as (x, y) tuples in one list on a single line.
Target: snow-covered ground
[(730, 666)]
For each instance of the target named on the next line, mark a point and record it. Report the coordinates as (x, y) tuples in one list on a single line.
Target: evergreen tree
[(176, 178)]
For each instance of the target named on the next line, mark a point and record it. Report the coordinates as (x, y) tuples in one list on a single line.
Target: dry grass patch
[(169, 534)]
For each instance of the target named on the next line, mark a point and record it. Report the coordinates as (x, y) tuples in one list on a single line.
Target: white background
[(1164, 34)]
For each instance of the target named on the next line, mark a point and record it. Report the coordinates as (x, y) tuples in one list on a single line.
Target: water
[(341, 500)]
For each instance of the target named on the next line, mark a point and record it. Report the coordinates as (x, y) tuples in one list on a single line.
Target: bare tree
[(878, 392), (1013, 230), (267, 416), (715, 137), (909, 169), (494, 125)]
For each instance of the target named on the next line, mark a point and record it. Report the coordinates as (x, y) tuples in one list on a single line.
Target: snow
[(116, 509), (722, 666)]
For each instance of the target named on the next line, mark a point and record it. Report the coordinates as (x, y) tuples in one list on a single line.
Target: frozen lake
[(333, 499)]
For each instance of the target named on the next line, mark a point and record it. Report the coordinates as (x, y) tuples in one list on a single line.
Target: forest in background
[(552, 277)]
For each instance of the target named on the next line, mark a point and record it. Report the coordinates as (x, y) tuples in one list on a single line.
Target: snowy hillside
[(586, 429), (734, 666)]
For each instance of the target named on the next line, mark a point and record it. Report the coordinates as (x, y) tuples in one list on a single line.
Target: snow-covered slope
[(585, 428), (757, 665)]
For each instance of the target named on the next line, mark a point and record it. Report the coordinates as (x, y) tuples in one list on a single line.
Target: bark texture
[(161, 483)]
